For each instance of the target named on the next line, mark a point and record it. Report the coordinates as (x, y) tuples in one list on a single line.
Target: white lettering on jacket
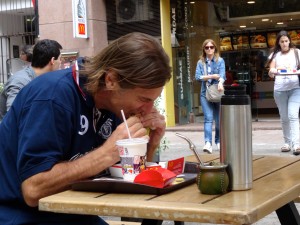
[(84, 123), (106, 129)]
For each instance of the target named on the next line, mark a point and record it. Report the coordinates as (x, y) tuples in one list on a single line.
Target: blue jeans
[(211, 111), (288, 103)]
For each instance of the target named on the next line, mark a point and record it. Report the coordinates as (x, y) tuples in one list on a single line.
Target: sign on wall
[(79, 18)]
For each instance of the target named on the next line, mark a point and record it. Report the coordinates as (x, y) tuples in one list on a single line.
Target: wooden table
[(276, 184)]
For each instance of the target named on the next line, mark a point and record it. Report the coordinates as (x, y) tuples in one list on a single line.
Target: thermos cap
[(235, 95)]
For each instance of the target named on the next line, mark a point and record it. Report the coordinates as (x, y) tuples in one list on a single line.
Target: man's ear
[(52, 61), (111, 80)]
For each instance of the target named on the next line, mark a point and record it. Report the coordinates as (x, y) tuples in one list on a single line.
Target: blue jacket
[(216, 68), (51, 120)]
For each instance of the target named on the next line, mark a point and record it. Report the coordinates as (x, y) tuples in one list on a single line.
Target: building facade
[(244, 38)]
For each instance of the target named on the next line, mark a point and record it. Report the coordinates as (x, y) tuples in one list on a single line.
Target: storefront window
[(190, 27), (183, 75), (245, 34)]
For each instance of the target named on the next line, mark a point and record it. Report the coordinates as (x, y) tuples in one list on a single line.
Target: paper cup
[(133, 156), (116, 170)]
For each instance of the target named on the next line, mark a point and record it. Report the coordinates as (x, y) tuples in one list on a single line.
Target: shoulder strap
[(205, 72)]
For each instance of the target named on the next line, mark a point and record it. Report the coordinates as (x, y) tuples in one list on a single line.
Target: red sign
[(81, 28)]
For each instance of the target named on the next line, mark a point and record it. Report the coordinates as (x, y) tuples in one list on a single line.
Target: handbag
[(297, 62), (212, 94)]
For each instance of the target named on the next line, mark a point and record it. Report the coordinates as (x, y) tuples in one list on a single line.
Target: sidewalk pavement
[(262, 123), (267, 138)]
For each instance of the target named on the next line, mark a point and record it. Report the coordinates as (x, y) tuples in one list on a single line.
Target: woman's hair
[(27, 50), (203, 55), (137, 59), (277, 47)]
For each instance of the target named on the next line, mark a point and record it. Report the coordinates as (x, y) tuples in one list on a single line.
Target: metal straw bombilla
[(192, 147)]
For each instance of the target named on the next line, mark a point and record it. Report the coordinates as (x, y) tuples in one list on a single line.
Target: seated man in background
[(26, 53), (45, 58)]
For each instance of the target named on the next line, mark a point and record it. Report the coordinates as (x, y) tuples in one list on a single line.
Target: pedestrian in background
[(78, 113), (46, 57), (26, 53), (286, 89), (210, 68)]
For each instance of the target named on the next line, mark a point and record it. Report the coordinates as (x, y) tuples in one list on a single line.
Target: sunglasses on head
[(209, 47)]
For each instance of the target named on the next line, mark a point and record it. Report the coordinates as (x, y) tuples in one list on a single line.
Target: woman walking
[(286, 89), (210, 69)]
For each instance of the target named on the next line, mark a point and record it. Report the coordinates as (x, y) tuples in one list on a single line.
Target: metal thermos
[(236, 136)]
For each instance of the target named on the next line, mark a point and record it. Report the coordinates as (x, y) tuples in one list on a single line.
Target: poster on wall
[(225, 43), (258, 40), (240, 41), (295, 36), (79, 18), (271, 36)]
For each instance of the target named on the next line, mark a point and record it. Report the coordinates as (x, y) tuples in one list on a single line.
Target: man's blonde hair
[(137, 59)]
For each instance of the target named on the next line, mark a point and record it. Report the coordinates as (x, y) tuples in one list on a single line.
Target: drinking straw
[(125, 123)]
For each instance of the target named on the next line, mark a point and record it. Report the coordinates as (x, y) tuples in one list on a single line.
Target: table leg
[(178, 223), (288, 214), (129, 219)]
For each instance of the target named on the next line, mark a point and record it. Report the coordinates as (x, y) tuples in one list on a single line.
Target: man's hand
[(157, 125), (136, 129)]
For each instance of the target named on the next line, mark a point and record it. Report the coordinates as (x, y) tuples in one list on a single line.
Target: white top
[(286, 61)]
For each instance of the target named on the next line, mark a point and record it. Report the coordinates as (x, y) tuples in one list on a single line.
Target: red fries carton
[(158, 177)]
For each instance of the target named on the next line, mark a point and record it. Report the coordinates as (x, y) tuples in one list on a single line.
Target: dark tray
[(118, 185)]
